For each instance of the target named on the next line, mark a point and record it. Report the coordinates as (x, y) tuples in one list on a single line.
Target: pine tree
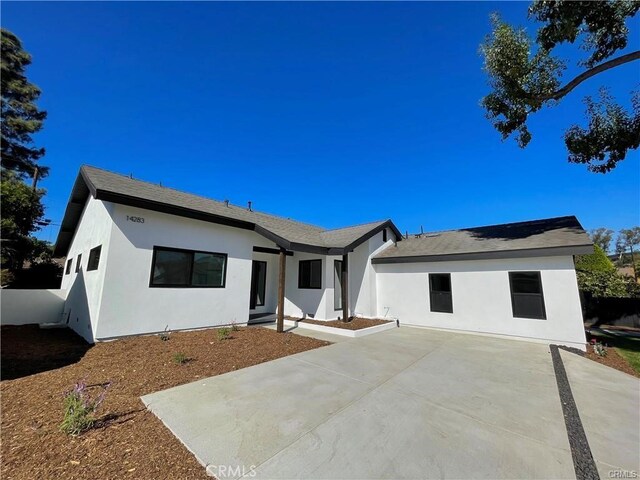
[(21, 117)]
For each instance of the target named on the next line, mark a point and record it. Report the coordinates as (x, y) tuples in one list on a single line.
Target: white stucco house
[(142, 257)]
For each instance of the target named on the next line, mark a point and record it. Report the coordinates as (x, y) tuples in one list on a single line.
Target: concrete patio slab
[(245, 417), (390, 434), (608, 402), (404, 403)]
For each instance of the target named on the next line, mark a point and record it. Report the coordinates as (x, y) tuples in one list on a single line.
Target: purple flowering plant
[(80, 407)]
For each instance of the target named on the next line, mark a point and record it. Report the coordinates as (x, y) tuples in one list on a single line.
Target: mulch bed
[(613, 360), (38, 366), (353, 324)]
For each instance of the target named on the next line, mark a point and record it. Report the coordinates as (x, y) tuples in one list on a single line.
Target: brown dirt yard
[(613, 360), (353, 324), (39, 366)]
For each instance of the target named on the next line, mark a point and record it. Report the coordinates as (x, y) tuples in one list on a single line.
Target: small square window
[(310, 274), (94, 258), (68, 270), (78, 263)]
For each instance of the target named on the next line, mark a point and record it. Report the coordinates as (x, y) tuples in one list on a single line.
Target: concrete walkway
[(405, 403), (609, 405)]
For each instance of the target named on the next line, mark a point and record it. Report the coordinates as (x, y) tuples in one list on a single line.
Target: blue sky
[(329, 113)]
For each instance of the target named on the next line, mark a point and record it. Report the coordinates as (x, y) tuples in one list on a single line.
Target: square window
[(68, 270), (310, 274)]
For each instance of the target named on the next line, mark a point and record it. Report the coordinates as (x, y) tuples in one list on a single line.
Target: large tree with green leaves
[(602, 237), (22, 209), (525, 76)]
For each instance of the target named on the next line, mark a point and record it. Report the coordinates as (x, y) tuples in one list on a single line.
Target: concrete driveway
[(406, 403)]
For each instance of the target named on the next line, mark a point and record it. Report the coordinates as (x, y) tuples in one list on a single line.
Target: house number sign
[(135, 219)]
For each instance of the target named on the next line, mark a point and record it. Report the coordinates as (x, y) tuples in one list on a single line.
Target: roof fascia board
[(302, 247), (371, 233), (72, 213), (503, 254), (170, 209), (269, 235)]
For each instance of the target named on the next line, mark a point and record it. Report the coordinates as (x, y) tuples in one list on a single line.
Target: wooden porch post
[(345, 287), (281, 278)]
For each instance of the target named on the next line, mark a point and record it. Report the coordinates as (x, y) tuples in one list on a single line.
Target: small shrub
[(235, 327), (180, 358), (224, 333), (79, 408), (164, 336), (599, 348)]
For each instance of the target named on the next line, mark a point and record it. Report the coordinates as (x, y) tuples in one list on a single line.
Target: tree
[(630, 239), (598, 276), (20, 115), (602, 237), (594, 262), (21, 209), (525, 76)]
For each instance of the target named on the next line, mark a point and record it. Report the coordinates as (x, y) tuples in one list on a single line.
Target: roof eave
[(584, 249)]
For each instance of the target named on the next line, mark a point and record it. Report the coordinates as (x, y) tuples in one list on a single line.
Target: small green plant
[(180, 358), (235, 327), (166, 334), (224, 333), (599, 348), (79, 408)]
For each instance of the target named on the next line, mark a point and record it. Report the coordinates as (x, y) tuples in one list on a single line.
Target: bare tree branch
[(558, 94)]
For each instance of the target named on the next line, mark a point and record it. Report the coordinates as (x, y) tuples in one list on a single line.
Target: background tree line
[(603, 275)]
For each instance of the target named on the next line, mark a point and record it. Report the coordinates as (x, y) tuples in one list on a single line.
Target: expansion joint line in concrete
[(583, 462)]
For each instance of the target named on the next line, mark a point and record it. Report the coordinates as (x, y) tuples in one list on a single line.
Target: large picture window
[(172, 267), (440, 297), (527, 299), (310, 274)]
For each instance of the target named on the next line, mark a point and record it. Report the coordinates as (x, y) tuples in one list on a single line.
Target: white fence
[(23, 307)]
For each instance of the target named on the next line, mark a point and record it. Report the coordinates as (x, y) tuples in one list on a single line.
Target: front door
[(258, 284)]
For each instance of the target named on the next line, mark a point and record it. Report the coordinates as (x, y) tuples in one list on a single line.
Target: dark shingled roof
[(551, 236), (289, 234)]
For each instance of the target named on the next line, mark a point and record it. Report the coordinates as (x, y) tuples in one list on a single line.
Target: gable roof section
[(546, 237), (289, 234)]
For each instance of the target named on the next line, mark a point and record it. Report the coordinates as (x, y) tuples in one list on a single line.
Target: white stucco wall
[(24, 307), (130, 306), (320, 303), (482, 299), (308, 301), (84, 288), (362, 277)]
